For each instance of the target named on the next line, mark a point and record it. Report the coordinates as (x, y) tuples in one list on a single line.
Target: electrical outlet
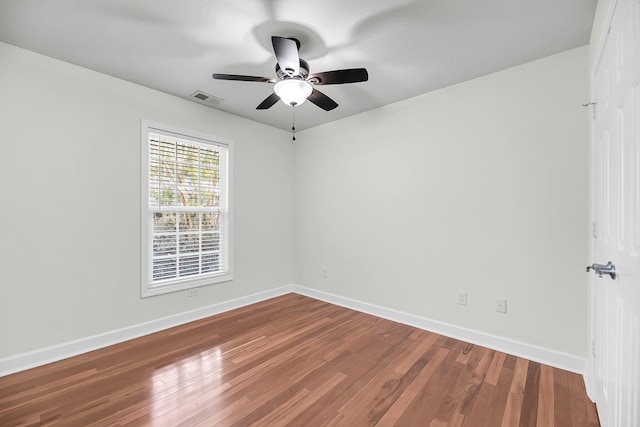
[(193, 293), (324, 272), (462, 297), (501, 305)]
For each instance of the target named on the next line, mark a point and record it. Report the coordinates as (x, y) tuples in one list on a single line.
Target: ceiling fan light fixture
[(293, 83), (293, 91)]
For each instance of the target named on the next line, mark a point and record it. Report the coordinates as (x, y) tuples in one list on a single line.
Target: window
[(186, 215)]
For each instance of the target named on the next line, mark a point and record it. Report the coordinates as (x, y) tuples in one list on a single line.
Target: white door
[(616, 182)]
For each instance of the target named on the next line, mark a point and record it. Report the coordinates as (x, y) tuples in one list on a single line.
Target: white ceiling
[(409, 47)]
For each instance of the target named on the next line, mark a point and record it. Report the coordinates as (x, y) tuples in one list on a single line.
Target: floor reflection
[(178, 387)]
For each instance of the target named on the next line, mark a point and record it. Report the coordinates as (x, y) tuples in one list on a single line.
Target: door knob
[(601, 269)]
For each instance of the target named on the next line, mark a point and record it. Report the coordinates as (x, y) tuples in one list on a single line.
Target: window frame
[(147, 286)]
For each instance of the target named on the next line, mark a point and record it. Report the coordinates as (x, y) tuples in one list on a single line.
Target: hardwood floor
[(295, 361)]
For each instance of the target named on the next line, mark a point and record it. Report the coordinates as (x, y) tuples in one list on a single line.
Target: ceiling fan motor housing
[(302, 74)]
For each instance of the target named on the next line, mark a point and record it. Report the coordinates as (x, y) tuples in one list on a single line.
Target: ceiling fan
[(294, 84)]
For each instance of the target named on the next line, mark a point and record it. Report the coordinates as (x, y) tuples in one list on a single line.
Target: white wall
[(70, 174), (481, 186)]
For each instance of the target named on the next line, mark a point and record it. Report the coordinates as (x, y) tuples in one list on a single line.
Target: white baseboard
[(46, 355), (538, 354), (54, 353)]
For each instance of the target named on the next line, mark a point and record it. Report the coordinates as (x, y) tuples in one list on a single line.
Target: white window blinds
[(188, 237)]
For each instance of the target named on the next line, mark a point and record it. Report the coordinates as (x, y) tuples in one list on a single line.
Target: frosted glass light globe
[(292, 91)]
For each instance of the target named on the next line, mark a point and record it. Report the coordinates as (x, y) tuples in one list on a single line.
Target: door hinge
[(594, 230), (593, 348), (593, 108)]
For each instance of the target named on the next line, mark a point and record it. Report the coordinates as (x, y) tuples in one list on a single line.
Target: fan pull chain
[(293, 125)]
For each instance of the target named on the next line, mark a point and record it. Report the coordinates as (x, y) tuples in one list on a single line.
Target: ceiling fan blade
[(322, 100), (336, 77), (268, 102), (243, 78), (286, 51)]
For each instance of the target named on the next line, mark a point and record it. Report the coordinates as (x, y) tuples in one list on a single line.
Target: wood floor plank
[(496, 367), (546, 398), (394, 386), (295, 361), (562, 402), (529, 410), (475, 383), (500, 395), (406, 397), (430, 396), (579, 415), (466, 385), (513, 408), (476, 405)]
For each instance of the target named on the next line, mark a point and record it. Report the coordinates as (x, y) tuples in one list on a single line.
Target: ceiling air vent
[(206, 99)]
